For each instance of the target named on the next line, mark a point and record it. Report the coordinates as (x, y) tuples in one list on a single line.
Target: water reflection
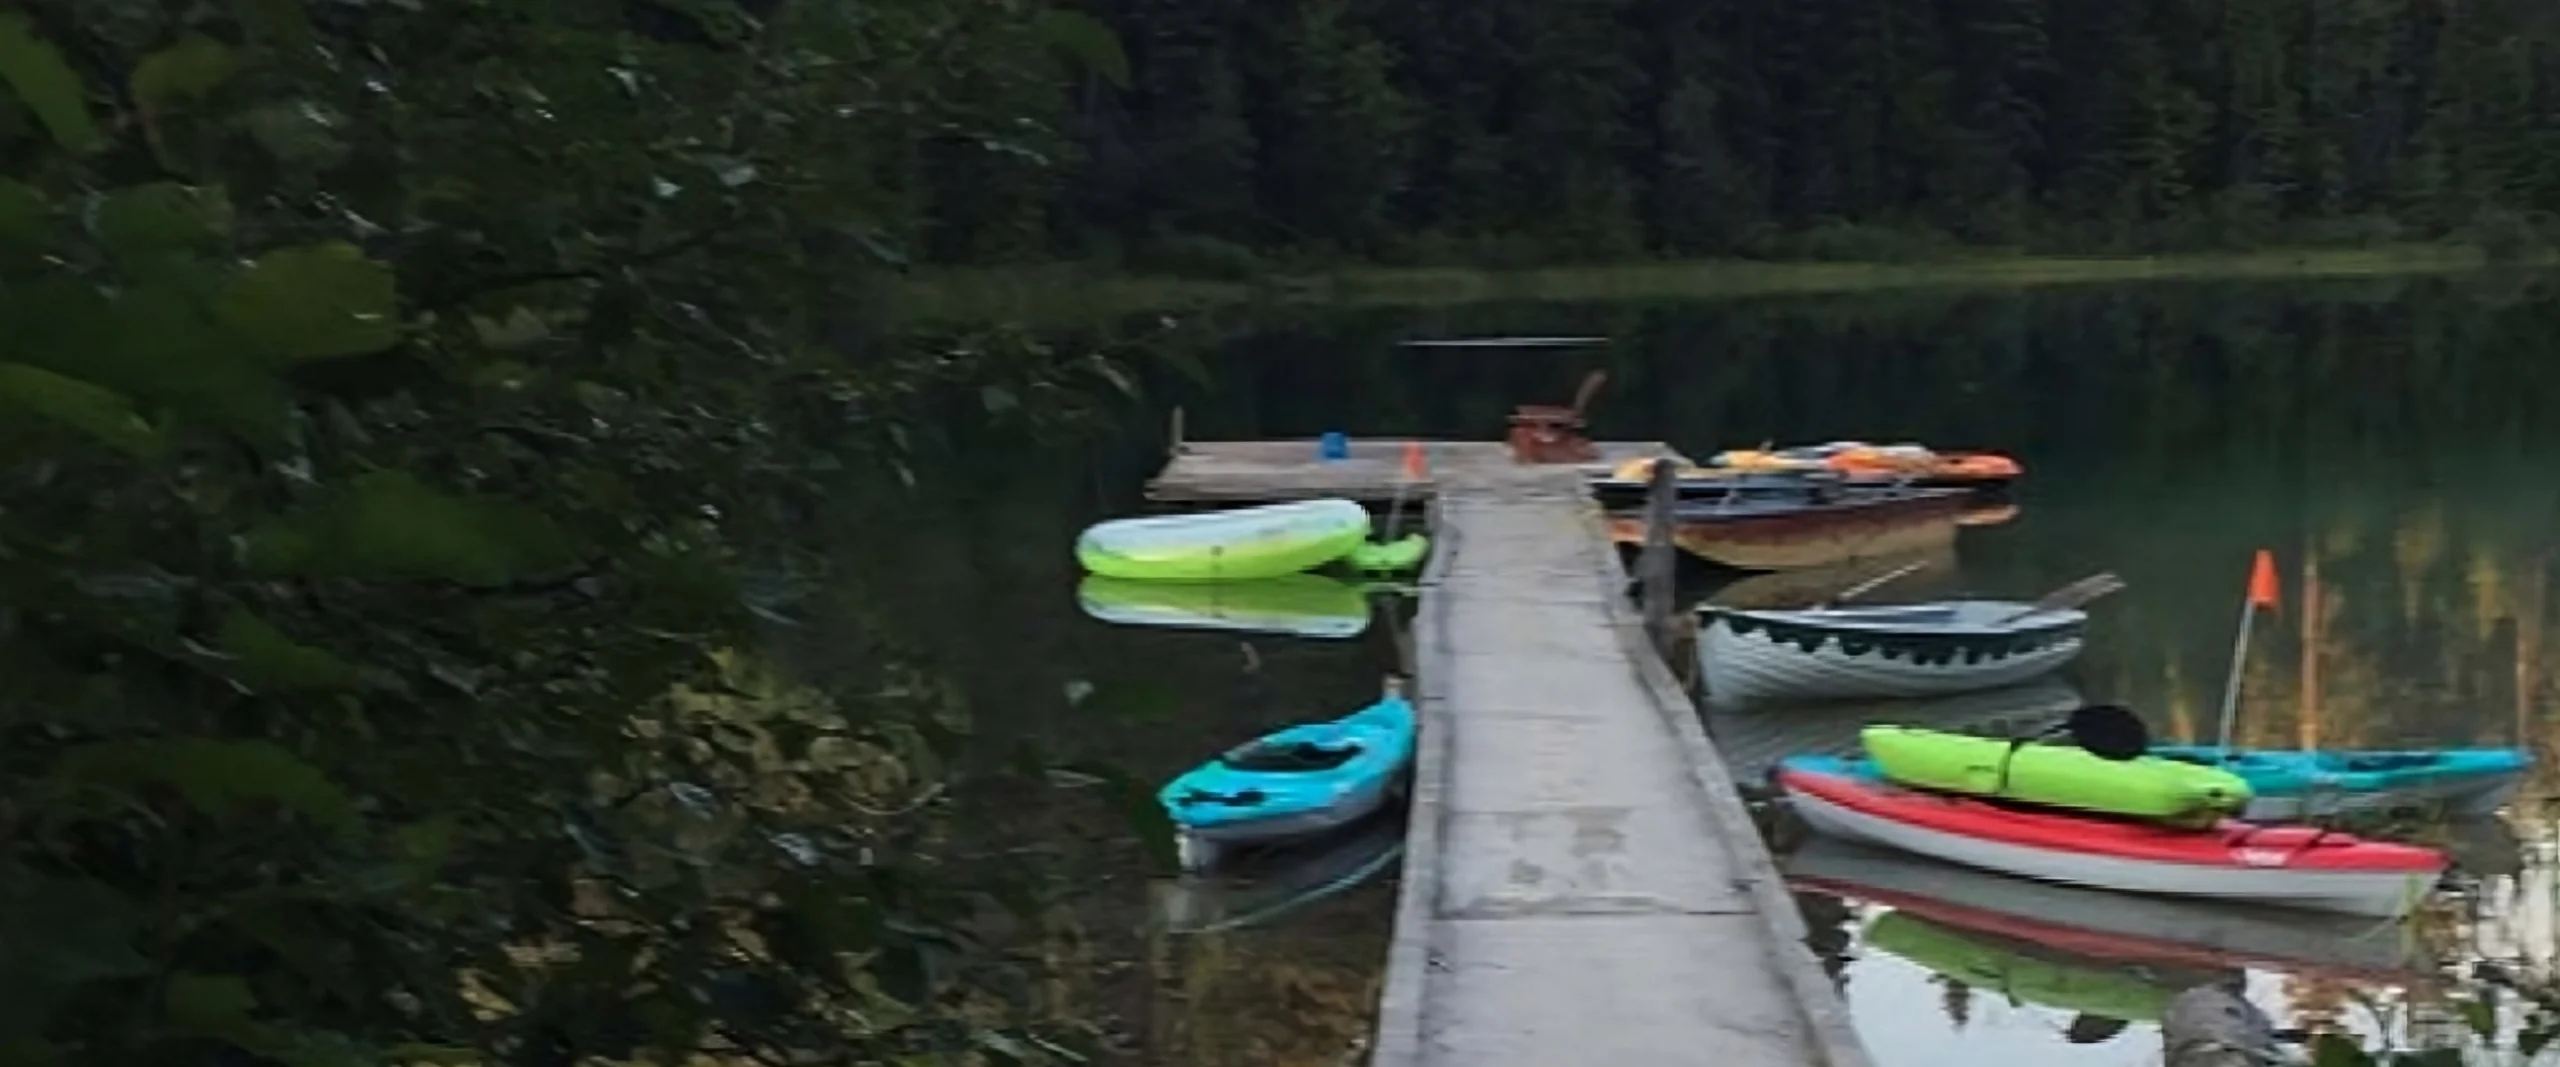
[(2419, 617), (1291, 605), (2390, 444), (1259, 889), (1943, 960)]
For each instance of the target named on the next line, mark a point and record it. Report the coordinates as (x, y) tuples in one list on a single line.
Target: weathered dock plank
[(1581, 884), (1371, 469)]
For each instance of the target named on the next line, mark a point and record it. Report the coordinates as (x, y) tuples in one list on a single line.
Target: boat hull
[(1260, 890), (1750, 658), (2297, 784), (1631, 492), (1293, 783), (2277, 874), (2469, 800), (1771, 532), (1202, 847)]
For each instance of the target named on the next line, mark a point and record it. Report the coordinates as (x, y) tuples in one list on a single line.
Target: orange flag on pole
[(2262, 581)]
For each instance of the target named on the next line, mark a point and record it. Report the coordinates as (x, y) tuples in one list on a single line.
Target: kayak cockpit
[(1286, 756)]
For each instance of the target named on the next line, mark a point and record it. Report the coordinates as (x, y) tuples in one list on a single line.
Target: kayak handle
[(2307, 844), (2000, 785)]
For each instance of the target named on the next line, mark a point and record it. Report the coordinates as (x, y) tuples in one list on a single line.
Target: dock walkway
[(1581, 882)]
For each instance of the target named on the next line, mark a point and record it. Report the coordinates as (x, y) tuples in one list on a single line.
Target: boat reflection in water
[(2169, 939), (2030, 972), (1261, 885), (1933, 572), (1993, 513), (1291, 605), (1766, 530)]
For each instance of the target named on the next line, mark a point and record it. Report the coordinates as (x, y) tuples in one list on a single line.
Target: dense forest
[(1517, 131)]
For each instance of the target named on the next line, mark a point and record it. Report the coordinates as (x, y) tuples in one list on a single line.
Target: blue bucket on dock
[(1333, 446)]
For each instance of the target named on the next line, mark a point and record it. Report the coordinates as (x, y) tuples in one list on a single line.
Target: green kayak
[(1389, 557), (1212, 546), (2066, 776), (2026, 974)]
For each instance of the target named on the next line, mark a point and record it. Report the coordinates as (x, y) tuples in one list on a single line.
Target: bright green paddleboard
[(2060, 775), (1225, 546)]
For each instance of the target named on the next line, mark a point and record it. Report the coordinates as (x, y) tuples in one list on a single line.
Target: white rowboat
[(1950, 646)]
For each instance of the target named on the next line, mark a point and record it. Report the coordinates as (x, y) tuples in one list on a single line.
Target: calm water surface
[(2387, 443)]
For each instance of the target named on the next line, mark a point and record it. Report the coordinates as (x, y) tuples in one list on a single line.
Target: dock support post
[(1654, 566)]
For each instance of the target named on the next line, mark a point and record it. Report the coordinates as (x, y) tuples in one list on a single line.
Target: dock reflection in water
[(2103, 928)]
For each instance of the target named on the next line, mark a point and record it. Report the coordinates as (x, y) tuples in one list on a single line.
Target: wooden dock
[(1373, 469), (1581, 883)]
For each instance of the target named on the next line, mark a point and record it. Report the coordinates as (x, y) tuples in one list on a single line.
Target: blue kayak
[(2296, 783), (2292, 783), (1292, 783)]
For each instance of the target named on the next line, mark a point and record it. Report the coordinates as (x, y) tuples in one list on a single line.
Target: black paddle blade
[(2108, 731)]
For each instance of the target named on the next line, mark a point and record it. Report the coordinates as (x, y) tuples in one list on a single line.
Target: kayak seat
[(1246, 799)]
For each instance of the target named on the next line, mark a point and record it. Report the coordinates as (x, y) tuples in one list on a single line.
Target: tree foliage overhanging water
[(399, 395), (395, 396)]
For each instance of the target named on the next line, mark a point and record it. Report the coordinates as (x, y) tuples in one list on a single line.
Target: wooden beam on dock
[(1656, 567)]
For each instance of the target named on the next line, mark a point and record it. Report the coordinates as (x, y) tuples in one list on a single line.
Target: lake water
[(2388, 443)]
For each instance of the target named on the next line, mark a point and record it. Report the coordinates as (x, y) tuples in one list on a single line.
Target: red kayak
[(2296, 866)]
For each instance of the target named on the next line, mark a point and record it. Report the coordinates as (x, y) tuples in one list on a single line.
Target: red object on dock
[(1544, 433)]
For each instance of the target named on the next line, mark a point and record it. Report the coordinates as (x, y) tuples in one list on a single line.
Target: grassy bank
[(1066, 293)]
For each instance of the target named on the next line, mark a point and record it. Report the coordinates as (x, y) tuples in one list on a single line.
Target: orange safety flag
[(2262, 581), (1415, 466)]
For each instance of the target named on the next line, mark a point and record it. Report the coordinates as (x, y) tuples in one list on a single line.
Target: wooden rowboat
[(1821, 525)]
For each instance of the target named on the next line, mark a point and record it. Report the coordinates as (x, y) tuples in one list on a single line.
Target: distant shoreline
[(1067, 292)]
